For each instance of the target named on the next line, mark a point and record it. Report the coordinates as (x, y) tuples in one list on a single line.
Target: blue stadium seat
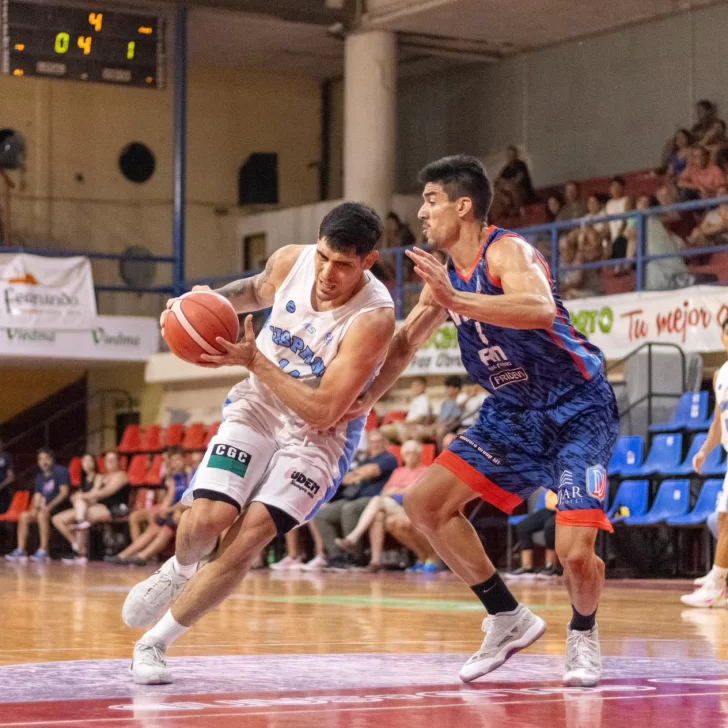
[(540, 504), (634, 494), (627, 453), (673, 499), (665, 453), (691, 413), (704, 506), (686, 466), (715, 464)]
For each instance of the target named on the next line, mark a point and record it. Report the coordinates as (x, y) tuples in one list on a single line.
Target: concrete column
[(370, 121)]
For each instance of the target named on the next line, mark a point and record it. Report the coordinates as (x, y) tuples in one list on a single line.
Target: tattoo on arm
[(248, 294)]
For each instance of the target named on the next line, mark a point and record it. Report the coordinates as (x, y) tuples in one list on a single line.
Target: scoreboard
[(82, 43)]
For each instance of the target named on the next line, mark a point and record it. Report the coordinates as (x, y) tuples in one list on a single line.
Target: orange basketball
[(195, 321)]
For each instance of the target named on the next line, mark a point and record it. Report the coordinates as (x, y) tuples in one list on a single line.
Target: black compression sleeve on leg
[(582, 623), (494, 595)]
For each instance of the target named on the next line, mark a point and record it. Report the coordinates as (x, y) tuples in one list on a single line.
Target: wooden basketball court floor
[(349, 650)]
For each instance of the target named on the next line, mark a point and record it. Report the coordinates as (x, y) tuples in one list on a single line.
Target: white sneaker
[(287, 564), (316, 564), (703, 580), (76, 561), (149, 666), (709, 595), (505, 634), (151, 598), (583, 658)]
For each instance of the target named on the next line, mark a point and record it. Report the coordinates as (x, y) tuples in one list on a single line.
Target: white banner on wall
[(106, 338), (690, 318), (36, 291)]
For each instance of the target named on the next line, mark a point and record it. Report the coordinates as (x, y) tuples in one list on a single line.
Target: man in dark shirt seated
[(358, 487), (7, 475), (52, 485)]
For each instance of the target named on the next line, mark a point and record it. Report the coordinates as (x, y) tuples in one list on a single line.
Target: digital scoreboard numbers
[(82, 43)]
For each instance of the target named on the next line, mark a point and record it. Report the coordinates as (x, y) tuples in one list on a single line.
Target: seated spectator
[(447, 420), (359, 486), (576, 283), (680, 222), (386, 508), (107, 499), (707, 114), (700, 180), (713, 230), (513, 186), (470, 400), (293, 560), (543, 520), (419, 412), (167, 514), (52, 485), (618, 203), (574, 207), (542, 243), (679, 154), (715, 142), (7, 475), (666, 273)]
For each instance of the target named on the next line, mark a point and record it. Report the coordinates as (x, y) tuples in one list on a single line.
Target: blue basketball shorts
[(511, 452)]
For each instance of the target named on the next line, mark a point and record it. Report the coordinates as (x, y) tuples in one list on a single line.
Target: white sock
[(186, 571), (718, 576), (167, 630)]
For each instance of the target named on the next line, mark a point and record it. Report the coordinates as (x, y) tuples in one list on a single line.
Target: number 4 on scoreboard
[(96, 20), (84, 42)]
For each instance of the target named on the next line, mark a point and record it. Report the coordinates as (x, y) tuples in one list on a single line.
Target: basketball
[(195, 321)]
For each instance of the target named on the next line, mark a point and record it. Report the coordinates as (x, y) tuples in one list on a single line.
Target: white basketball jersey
[(300, 340), (721, 398)]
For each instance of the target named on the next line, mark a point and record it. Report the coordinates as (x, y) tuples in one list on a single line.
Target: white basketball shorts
[(723, 497)]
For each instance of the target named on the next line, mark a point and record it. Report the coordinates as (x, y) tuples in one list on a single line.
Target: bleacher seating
[(131, 440), (673, 499), (715, 464), (153, 476), (212, 432), (194, 437), (704, 506), (540, 504), (173, 435), (628, 453), (691, 413), (632, 494), (372, 421), (18, 505), (151, 440), (75, 472), (665, 453), (394, 416), (137, 470), (686, 466)]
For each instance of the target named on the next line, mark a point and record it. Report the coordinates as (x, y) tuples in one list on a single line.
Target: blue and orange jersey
[(533, 368)]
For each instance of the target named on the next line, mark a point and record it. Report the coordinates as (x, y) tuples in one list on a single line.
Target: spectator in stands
[(470, 400), (448, 440), (52, 485), (713, 229), (419, 412), (513, 185), (700, 179), (293, 560), (576, 283), (194, 461), (541, 520), (618, 203), (553, 207), (574, 207), (396, 234), (385, 509), (7, 475), (107, 499), (680, 222), (715, 142), (666, 273), (707, 113), (679, 154), (359, 486), (163, 527), (447, 420)]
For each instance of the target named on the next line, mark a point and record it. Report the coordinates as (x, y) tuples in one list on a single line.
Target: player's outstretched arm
[(417, 328), (527, 302), (361, 351)]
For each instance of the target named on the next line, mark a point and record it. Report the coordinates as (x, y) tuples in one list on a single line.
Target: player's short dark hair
[(45, 451), (454, 381), (461, 176), (351, 226)]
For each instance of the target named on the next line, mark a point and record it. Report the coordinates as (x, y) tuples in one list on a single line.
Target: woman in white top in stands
[(419, 413), (618, 202)]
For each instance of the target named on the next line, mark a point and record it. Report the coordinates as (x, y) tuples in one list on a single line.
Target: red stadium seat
[(153, 476), (151, 440), (396, 450), (173, 435), (372, 421), (131, 440), (138, 470), (194, 438), (396, 416), (19, 504), (100, 464), (212, 432), (429, 453), (75, 472)]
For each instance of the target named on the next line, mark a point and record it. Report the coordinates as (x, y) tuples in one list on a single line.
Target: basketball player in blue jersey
[(550, 420)]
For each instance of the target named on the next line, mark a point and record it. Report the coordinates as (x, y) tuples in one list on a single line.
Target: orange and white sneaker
[(709, 595)]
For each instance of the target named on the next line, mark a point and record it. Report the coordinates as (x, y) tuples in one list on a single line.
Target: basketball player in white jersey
[(280, 453), (712, 592)]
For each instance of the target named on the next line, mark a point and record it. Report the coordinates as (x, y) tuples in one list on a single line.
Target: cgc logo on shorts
[(305, 484), (230, 458), (596, 482)]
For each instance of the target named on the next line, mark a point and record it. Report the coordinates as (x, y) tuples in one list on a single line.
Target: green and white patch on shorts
[(230, 458)]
